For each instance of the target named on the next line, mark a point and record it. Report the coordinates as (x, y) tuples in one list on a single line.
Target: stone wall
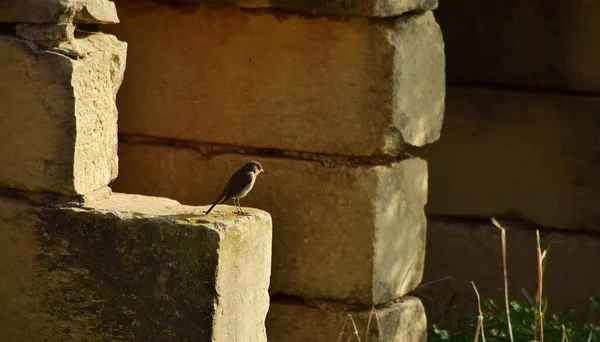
[(327, 98), (551, 46), (78, 262), (521, 141)]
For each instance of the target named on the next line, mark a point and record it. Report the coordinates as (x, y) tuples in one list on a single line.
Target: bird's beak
[(264, 171)]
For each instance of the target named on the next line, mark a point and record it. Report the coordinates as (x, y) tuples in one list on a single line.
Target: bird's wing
[(238, 182)]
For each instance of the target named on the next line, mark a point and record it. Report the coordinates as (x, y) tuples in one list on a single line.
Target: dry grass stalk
[(433, 282), (343, 328), (355, 330), (371, 314), (564, 335), (479, 318), (349, 317), (420, 288), (540, 265), (527, 296), (503, 235)]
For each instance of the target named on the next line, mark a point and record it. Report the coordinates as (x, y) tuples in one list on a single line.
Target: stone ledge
[(132, 268), (403, 320), (46, 32), (352, 234), (58, 11), (342, 86), (50, 199)]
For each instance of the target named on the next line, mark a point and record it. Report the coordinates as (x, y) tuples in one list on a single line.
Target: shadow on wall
[(470, 250), (544, 45), (521, 140)]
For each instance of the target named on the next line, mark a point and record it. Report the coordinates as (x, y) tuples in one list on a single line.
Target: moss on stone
[(131, 278)]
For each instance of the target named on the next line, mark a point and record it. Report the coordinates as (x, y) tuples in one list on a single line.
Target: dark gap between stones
[(8, 29), (84, 30)]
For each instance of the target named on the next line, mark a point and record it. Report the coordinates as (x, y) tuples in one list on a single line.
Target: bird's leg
[(238, 207), (242, 212)]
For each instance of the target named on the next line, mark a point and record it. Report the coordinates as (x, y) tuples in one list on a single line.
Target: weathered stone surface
[(355, 234), (531, 156), (50, 199), (58, 11), (401, 321), (375, 8), (341, 86), (58, 128), (132, 268), (45, 32), (551, 44), (469, 250)]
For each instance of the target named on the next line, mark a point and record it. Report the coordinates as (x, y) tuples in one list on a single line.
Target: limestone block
[(550, 45), (45, 32), (316, 84), (355, 234), (531, 156), (403, 320), (58, 11), (376, 8), (58, 128), (470, 250), (132, 268)]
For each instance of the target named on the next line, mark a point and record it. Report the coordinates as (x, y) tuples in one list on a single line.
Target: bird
[(239, 185)]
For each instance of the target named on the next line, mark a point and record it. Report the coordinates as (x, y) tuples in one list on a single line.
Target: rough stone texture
[(402, 321), (50, 199), (44, 32), (531, 156), (132, 268), (470, 250), (348, 86), (58, 11), (355, 234), (58, 128), (550, 44), (376, 8)]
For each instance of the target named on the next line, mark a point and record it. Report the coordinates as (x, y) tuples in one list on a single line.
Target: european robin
[(239, 185)]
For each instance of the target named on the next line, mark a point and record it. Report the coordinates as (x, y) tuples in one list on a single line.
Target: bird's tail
[(219, 200)]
